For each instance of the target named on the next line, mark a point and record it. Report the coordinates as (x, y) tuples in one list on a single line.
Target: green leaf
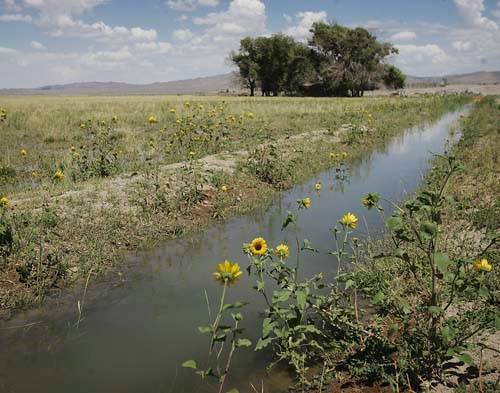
[(237, 317), (262, 343), (267, 326), (442, 262), (435, 310), (205, 329), (234, 305), (466, 358), (378, 297), (281, 296), (497, 322), (428, 229), (290, 219), (483, 292), (243, 342), (349, 283), (260, 286), (190, 364), (394, 223), (233, 390), (301, 299), (306, 245)]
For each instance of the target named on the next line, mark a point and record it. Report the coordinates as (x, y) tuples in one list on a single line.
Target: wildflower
[(349, 220), (344, 155), (59, 175), (152, 120), (172, 110), (317, 186), (227, 272), (282, 251), (4, 202), (371, 199), (224, 188), (258, 246), (482, 265), (304, 203), (23, 152)]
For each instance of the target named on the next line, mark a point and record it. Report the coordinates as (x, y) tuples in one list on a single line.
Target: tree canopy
[(336, 61)]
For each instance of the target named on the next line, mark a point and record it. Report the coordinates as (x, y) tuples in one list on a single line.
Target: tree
[(276, 64), (350, 61), (393, 78), (246, 60)]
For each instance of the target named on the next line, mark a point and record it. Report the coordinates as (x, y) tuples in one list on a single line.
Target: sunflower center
[(258, 246)]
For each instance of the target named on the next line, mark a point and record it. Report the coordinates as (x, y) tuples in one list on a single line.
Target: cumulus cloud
[(305, 20), (462, 45), (472, 13), (183, 34), (15, 18), (404, 36), (191, 5), (37, 45)]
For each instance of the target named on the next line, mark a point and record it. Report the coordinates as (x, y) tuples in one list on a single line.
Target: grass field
[(86, 178)]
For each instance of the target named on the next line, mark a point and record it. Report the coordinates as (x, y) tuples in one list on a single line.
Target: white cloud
[(462, 46), (183, 34), (11, 6), (154, 47), (4, 50), (15, 18), (420, 60), (472, 13), (37, 45), (404, 36), (305, 20), (191, 5)]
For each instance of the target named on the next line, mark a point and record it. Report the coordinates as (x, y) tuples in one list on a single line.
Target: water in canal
[(135, 334)]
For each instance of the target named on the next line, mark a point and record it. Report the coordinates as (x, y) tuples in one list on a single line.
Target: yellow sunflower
[(59, 175), (482, 265), (349, 220), (227, 272), (258, 246), (4, 202), (152, 120), (224, 188), (282, 251), (317, 186), (23, 152)]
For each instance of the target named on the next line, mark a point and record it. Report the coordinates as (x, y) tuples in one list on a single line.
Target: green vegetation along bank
[(84, 180)]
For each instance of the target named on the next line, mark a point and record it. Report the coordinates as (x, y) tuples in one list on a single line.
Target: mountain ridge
[(213, 84)]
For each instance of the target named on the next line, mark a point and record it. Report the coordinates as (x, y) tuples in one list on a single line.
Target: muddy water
[(137, 329)]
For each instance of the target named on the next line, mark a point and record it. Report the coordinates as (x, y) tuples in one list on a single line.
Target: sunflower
[(227, 272), (59, 175), (344, 155), (304, 203), (23, 152), (317, 186), (4, 202), (152, 120), (258, 246), (172, 110), (349, 220), (282, 251), (224, 188), (114, 119), (482, 265)]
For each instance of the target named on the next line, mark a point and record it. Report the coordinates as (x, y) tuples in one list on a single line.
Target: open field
[(87, 178)]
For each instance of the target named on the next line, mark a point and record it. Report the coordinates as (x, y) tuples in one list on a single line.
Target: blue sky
[(62, 41)]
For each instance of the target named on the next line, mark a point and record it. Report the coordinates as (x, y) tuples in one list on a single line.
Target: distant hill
[(475, 78), (213, 84), (204, 85)]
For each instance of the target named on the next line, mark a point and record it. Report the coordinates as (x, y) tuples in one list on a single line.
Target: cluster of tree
[(336, 61)]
